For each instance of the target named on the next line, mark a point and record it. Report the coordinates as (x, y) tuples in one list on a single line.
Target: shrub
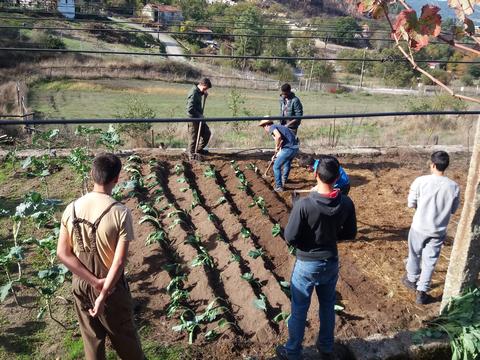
[(47, 41), (439, 74), (136, 108), (467, 80), (441, 102)]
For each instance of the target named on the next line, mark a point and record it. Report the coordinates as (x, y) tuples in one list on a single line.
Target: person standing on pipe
[(195, 111)]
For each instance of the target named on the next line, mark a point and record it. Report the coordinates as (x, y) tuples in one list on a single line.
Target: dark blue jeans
[(282, 164), (307, 275)]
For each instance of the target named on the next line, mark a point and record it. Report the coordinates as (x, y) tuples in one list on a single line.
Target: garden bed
[(215, 249)]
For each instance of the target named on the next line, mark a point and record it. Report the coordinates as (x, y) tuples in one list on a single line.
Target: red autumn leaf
[(417, 31), (430, 21), (373, 8), (405, 23)]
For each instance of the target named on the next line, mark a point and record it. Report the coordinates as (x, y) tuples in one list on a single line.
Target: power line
[(318, 28), (186, 33), (228, 119), (239, 57), (325, 38)]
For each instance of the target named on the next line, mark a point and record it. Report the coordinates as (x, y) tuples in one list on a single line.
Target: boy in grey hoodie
[(435, 198)]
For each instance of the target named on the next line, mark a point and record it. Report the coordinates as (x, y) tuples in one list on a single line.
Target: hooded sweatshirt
[(317, 222)]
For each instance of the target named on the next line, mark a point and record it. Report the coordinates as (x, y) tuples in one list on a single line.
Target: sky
[(445, 11)]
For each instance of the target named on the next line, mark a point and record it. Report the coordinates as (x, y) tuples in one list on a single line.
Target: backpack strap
[(77, 233), (93, 238)]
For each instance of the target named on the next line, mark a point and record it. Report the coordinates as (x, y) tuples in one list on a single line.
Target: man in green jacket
[(195, 111), (290, 105)]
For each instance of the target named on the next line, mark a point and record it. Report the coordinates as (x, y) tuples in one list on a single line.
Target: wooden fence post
[(464, 264)]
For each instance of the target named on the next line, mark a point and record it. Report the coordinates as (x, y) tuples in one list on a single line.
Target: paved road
[(171, 45)]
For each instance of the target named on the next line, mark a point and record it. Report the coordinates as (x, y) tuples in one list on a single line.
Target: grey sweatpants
[(423, 253)]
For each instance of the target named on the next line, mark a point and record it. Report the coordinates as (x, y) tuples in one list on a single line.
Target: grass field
[(72, 99), (104, 98)]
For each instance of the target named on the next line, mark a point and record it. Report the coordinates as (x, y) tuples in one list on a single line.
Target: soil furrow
[(232, 225), (277, 257), (227, 276), (201, 293), (276, 206)]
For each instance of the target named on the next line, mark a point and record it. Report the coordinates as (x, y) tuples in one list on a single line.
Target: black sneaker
[(409, 284), (423, 298), (204, 152), (281, 353), (325, 355)]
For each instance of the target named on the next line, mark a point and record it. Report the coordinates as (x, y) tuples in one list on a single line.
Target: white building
[(66, 8)]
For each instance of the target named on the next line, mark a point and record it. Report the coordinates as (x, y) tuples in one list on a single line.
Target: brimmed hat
[(265, 122)]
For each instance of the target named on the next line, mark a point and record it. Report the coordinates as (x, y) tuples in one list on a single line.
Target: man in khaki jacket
[(95, 233)]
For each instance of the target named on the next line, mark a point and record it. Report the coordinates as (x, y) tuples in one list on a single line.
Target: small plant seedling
[(184, 189), (134, 159), (181, 180), (285, 285), (176, 283), (174, 213), (213, 218), (283, 316), (261, 303), (246, 233), (276, 230), (158, 236), (221, 200), (177, 298), (235, 258), (203, 258), (196, 198), (251, 279), (148, 209), (175, 223), (110, 139), (260, 202), (152, 220), (210, 172), (256, 253), (179, 169), (252, 167), (223, 189), (292, 250)]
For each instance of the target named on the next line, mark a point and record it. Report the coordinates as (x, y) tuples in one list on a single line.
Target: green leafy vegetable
[(261, 303), (276, 230), (256, 253)]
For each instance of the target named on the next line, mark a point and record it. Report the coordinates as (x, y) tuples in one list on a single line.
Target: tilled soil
[(224, 216), (369, 287)]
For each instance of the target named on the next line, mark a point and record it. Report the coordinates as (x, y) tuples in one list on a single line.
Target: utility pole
[(464, 264), (363, 67)]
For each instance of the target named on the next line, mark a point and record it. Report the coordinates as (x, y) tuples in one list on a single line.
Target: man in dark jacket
[(315, 225), (195, 111), (290, 105)]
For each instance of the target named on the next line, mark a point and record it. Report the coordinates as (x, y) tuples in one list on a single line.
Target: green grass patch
[(73, 346), (6, 170), (155, 351), (21, 342)]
